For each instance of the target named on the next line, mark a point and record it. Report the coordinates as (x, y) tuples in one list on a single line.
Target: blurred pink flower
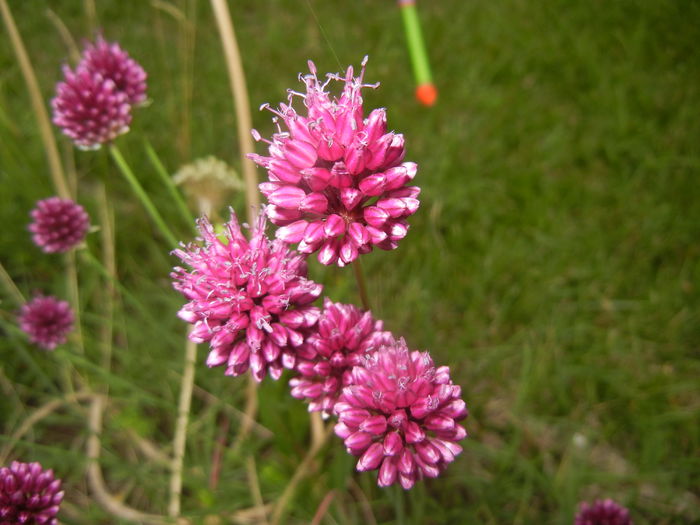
[(250, 299), (344, 334), (89, 108), (58, 224), (112, 62), (337, 184), (399, 415), (29, 495), (602, 512), (46, 320)]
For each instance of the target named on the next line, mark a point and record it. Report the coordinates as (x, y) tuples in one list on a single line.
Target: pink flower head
[(58, 224), (399, 415), (344, 334), (337, 184), (29, 495), (47, 321), (112, 62), (90, 108), (602, 512), (250, 299)]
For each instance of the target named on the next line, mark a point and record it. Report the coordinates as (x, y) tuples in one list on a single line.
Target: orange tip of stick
[(426, 94)]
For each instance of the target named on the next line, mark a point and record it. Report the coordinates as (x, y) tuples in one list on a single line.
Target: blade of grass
[(170, 185), (142, 196)]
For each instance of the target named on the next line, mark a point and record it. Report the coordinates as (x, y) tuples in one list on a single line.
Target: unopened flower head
[(47, 321), (400, 415), (112, 62), (209, 181), (89, 108), (337, 183), (602, 512), (58, 224), (29, 495), (344, 334), (249, 298)]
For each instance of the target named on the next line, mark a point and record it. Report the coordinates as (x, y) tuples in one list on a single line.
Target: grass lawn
[(553, 264)]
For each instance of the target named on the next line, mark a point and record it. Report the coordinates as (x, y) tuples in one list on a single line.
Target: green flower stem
[(361, 283), (168, 181), (141, 194)]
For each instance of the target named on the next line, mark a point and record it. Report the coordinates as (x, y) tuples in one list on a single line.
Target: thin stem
[(323, 507), (37, 101), (74, 294), (10, 286), (183, 413), (240, 98), (141, 194), (67, 38), (169, 184), (301, 471), (361, 284), (255, 488)]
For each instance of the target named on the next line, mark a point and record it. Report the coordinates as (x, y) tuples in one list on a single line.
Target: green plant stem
[(399, 504), (361, 283), (10, 286), (169, 184), (141, 194)]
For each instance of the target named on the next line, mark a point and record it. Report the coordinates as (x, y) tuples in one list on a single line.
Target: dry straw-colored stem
[(244, 121), (37, 101), (240, 99), (255, 489), (180, 438), (323, 507)]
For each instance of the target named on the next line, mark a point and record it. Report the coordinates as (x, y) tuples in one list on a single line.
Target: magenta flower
[(47, 321), (344, 334), (602, 512), (250, 299), (59, 224), (29, 495), (336, 181), (112, 62), (400, 416), (90, 108)]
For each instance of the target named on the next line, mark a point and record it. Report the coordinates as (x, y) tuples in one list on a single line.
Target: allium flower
[(47, 321), (602, 512), (343, 336), (250, 299), (29, 495), (90, 108), (112, 62), (399, 415), (58, 224), (336, 181)]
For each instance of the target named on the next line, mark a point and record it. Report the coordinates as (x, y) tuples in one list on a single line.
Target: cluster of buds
[(93, 104), (336, 181), (29, 494), (337, 185)]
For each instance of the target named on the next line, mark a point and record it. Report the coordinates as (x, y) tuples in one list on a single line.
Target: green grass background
[(553, 263)]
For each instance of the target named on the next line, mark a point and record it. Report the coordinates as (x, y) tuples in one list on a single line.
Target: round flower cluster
[(29, 495), (249, 299), (343, 336), (58, 224), (337, 184), (602, 512), (47, 321), (399, 415), (93, 103)]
